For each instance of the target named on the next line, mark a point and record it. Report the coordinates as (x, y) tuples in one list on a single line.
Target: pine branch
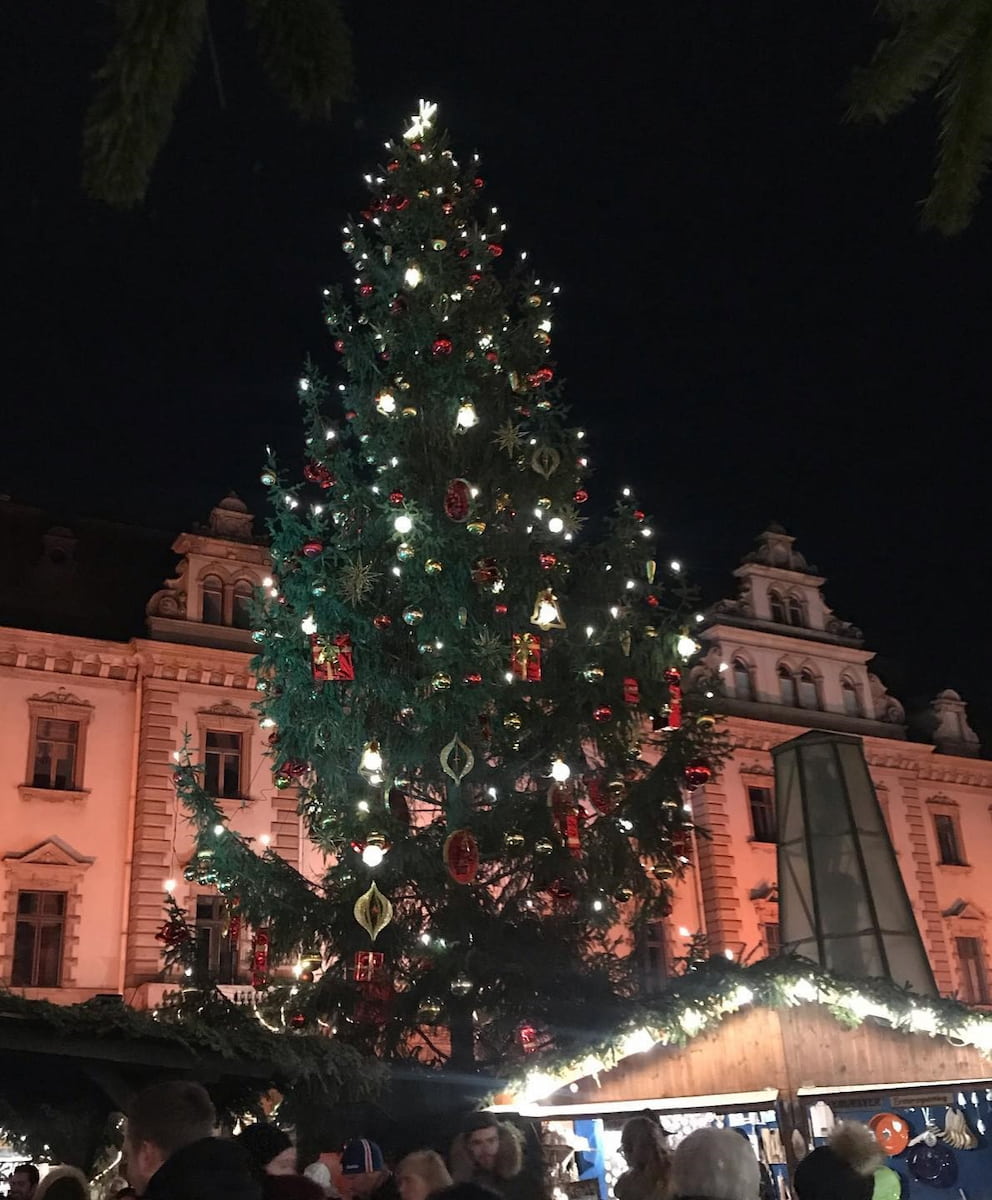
[(138, 87), (305, 50), (912, 61), (965, 99)]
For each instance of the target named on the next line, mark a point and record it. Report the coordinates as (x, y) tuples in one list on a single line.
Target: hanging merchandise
[(957, 1132), (547, 612), (331, 657), (373, 911), (456, 759), (673, 718), (461, 856), (565, 812), (525, 657), (259, 958), (457, 500)]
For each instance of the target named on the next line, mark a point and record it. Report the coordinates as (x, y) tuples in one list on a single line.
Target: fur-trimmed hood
[(856, 1145), (843, 1169), (64, 1175), (509, 1158)]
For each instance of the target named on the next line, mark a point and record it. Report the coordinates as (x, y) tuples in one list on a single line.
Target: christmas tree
[(480, 707)]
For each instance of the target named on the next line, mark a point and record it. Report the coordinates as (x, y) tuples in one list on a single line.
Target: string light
[(466, 416), (560, 770)]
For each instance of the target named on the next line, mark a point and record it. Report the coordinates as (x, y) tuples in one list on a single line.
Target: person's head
[(642, 1143), (715, 1164), (23, 1181), (162, 1119), (481, 1132), (64, 1183), (270, 1151), (843, 1169), (362, 1166), (420, 1174)]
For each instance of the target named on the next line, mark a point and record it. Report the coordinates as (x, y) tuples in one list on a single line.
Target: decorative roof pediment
[(61, 697), (224, 709), (965, 910), (52, 852)]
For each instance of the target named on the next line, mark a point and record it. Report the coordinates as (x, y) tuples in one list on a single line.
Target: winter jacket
[(211, 1169), (505, 1179)]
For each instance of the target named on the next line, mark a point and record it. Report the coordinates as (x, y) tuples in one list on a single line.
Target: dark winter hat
[(824, 1175), (262, 1142), (360, 1156), (479, 1120)]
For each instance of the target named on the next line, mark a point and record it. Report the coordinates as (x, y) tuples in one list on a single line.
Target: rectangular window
[(948, 847), (216, 951), (55, 749), (223, 764), (770, 936), (38, 939), (971, 958), (763, 824), (654, 957)]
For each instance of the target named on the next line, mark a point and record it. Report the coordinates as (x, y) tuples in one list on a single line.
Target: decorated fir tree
[(481, 707)]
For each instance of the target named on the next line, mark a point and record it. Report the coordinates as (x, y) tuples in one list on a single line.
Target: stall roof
[(916, 1085), (733, 1100)]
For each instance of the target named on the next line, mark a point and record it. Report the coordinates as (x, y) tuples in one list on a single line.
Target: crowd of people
[(171, 1152)]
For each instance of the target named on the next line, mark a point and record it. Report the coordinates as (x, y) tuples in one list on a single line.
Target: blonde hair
[(429, 1165)]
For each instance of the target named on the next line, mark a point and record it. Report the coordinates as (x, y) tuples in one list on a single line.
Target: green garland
[(703, 998)]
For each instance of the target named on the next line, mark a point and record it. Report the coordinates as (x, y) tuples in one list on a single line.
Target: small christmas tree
[(481, 709)]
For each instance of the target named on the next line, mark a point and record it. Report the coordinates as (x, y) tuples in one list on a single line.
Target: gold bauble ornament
[(512, 721)]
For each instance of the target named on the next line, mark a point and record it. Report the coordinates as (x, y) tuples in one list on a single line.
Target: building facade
[(92, 834)]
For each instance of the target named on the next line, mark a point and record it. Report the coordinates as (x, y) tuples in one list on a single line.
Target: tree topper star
[(422, 121)]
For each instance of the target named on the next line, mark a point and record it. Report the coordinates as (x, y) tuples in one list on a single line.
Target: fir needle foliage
[(439, 654), (944, 47), (304, 47)]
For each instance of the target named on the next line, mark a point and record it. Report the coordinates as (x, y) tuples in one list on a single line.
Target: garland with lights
[(705, 996), (487, 716)]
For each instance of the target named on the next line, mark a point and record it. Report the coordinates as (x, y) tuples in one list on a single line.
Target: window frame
[(223, 954), (222, 755), (807, 678), (795, 611), (740, 667), (752, 806), (655, 956), (848, 687), (948, 819), (237, 593), (770, 950), (57, 706), (220, 592), (776, 606), (228, 718), (975, 990), (783, 673), (37, 922)]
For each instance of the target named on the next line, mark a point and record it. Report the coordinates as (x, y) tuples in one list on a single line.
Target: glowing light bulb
[(413, 275), (675, 566), (372, 856), (218, 830), (597, 906), (403, 523), (556, 525), (309, 623), (385, 403), (265, 839), (683, 932), (686, 646), (466, 416), (560, 770), (170, 886), (425, 939), (267, 581)]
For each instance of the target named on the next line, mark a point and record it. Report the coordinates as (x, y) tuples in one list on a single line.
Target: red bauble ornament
[(384, 356), (638, 515), (631, 691), (547, 559), (339, 345), (393, 165), (365, 289), (541, 376), (447, 207), (457, 500), (528, 1038), (382, 621), (475, 277), (397, 304), (315, 472), (416, 147), (581, 496), (401, 202), (396, 498), (441, 346), (495, 249), (696, 774), (651, 600), (461, 856), (478, 182), (297, 1020), (350, 414), (500, 610), (602, 714), (464, 252), (312, 549), (473, 678), (293, 767), (673, 676), (492, 356)]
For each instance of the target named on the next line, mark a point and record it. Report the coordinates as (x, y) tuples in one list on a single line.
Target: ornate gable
[(52, 852)]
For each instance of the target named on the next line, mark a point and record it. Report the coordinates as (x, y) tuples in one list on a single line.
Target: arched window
[(786, 686), (795, 611), (775, 604), (213, 600), (849, 694), (809, 696), (743, 689), (241, 610)]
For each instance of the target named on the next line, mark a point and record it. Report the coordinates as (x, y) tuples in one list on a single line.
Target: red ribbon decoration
[(525, 657), (331, 658)]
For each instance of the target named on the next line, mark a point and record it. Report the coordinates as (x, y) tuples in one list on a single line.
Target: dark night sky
[(751, 325)]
